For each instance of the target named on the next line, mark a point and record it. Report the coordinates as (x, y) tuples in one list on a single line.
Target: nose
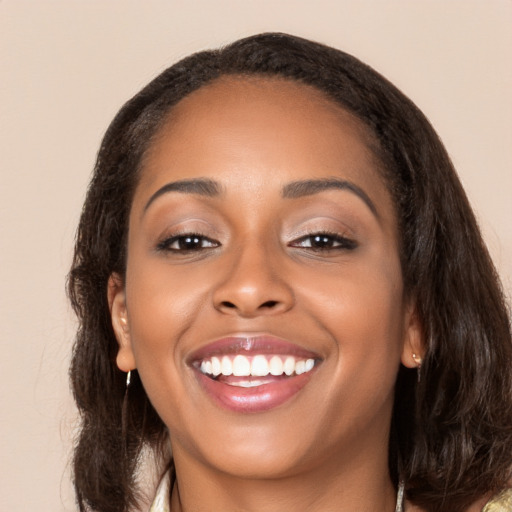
[(254, 285)]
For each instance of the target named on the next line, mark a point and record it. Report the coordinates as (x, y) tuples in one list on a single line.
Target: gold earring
[(417, 360)]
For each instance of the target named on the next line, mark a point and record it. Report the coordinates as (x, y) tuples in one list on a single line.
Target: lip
[(259, 398)]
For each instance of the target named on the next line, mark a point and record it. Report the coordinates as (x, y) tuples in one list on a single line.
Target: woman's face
[(263, 302)]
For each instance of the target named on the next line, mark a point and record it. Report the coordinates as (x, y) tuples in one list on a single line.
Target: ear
[(414, 343), (119, 314)]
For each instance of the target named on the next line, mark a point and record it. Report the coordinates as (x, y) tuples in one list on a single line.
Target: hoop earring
[(133, 426), (418, 361), (124, 411)]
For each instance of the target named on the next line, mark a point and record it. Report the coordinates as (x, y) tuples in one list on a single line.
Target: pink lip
[(255, 399)]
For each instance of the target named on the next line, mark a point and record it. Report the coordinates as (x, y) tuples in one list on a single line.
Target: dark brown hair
[(452, 432)]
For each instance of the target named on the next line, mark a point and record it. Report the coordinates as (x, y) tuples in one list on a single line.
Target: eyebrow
[(201, 186), (304, 188), (296, 189)]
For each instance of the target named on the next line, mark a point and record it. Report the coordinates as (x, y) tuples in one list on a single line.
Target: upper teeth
[(255, 366)]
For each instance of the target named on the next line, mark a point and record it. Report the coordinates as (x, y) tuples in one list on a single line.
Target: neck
[(341, 489)]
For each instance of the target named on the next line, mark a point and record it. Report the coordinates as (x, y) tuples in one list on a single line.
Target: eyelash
[(327, 238), (326, 242), (166, 245)]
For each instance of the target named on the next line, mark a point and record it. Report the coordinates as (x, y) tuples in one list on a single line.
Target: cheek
[(361, 306), (162, 301), (162, 306), (160, 311), (364, 293)]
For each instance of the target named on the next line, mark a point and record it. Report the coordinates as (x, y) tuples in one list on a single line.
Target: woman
[(278, 277)]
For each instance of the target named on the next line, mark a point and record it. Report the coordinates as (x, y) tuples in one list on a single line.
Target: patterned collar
[(161, 501), (500, 503)]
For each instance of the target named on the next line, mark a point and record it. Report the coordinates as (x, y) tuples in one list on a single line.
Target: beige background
[(66, 67)]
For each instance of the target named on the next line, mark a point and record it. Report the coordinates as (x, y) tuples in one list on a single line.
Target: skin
[(256, 272)]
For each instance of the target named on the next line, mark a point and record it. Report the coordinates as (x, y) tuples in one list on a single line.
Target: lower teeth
[(246, 383)]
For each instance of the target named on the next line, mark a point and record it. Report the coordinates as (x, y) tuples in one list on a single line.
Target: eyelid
[(322, 218), (321, 225), (184, 224)]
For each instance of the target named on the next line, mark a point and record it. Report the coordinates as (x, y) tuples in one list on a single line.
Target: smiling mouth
[(253, 374), (255, 370)]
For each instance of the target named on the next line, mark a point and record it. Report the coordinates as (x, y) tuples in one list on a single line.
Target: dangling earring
[(418, 361), (124, 409)]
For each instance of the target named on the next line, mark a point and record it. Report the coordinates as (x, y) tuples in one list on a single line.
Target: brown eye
[(324, 242), (187, 243)]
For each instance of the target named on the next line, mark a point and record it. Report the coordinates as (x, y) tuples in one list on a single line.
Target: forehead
[(242, 128)]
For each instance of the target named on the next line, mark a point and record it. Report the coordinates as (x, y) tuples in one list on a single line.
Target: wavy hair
[(451, 438)]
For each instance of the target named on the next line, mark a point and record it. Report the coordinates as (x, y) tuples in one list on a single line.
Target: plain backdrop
[(65, 69)]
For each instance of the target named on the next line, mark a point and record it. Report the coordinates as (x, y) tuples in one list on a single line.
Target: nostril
[(227, 304), (269, 304)]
